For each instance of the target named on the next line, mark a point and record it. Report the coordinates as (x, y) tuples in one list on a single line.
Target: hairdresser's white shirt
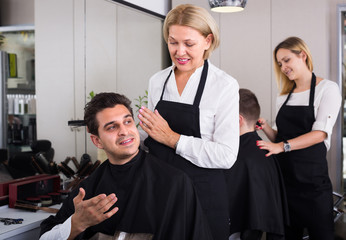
[(219, 115), (326, 105), (58, 232)]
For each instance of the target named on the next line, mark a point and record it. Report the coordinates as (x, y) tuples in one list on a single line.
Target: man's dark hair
[(249, 107), (100, 102)]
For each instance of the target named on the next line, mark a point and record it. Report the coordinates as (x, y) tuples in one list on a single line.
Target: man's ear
[(241, 120), (96, 141)]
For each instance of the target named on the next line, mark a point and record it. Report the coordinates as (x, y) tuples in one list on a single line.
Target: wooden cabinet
[(84, 46)]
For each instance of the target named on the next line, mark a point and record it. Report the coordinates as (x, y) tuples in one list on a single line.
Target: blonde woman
[(307, 110), (192, 115)]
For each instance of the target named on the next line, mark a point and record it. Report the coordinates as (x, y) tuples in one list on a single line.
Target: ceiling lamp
[(227, 5)]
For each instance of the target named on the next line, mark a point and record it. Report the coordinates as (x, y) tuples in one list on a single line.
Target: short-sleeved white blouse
[(326, 105)]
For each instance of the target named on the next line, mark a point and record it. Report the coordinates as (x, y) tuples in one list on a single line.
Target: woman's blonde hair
[(296, 46), (197, 18)]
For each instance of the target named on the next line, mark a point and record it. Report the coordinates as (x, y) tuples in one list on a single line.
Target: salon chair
[(4, 173), (21, 163)]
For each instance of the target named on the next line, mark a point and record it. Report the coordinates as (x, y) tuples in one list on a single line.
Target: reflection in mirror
[(343, 36), (18, 108), (342, 84), (20, 45)]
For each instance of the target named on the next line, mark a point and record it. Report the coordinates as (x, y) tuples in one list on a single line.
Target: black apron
[(209, 183), (305, 171)]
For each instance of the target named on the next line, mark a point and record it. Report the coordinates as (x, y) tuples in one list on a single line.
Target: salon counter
[(30, 227)]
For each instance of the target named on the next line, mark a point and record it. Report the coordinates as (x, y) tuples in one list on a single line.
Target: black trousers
[(315, 215), (315, 233)]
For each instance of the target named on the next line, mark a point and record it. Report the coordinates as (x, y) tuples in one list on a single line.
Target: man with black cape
[(130, 194), (256, 192)]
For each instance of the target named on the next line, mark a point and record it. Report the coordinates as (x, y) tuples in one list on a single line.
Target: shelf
[(20, 91)]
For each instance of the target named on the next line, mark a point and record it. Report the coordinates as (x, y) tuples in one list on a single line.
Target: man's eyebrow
[(113, 122), (109, 123)]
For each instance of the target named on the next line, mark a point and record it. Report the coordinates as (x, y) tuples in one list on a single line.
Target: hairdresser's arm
[(300, 142)]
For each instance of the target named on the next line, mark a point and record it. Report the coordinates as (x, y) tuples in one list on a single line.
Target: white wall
[(21, 12), (158, 6), (96, 45)]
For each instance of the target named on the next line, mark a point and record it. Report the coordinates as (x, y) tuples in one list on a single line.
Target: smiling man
[(132, 193)]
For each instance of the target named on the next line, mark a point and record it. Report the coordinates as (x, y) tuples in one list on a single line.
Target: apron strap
[(312, 90), (164, 85), (201, 84)]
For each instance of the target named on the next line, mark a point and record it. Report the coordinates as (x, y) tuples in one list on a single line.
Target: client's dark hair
[(100, 102), (249, 107)]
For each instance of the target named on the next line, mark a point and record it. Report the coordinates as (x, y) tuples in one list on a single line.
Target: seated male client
[(132, 193), (256, 190)]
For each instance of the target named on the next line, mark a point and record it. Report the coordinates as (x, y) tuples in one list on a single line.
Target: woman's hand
[(272, 148), (261, 124), (267, 129), (157, 127)]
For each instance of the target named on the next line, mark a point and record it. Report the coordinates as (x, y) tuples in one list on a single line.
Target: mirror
[(18, 43), (18, 111), (341, 160)]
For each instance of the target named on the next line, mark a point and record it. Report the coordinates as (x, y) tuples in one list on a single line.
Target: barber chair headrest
[(3, 155), (41, 146)]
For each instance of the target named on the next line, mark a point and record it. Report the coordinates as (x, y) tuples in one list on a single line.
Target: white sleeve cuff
[(180, 144), (58, 232), (65, 228), (326, 126)]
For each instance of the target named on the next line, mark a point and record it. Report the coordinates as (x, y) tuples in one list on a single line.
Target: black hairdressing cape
[(153, 197), (255, 185)]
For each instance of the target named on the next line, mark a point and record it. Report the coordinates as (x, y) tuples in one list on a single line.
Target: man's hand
[(90, 212)]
